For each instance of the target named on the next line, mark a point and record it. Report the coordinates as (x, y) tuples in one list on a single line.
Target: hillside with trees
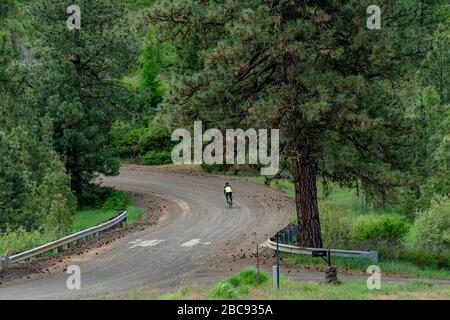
[(363, 114)]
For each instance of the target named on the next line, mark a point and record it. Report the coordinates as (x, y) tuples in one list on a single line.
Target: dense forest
[(357, 108)]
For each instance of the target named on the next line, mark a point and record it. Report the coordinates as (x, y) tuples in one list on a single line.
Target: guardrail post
[(4, 261), (294, 233), (373, 255), (276, 268), (124, 221)]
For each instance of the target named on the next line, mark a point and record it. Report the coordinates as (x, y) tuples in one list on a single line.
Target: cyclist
[(228, 191)]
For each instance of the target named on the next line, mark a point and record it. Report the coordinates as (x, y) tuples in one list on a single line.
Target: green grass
[(360, 265), (86, 218), (133, 215), (294, 290), (344, 199), (21, 240)]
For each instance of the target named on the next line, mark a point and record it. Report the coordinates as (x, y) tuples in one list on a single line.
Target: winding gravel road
[(198, 232)]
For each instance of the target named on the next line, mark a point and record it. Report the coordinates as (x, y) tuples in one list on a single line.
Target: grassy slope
[(342, 198), (21, 240), (235, 288), (360, 265), (86, 218), (350, 290)]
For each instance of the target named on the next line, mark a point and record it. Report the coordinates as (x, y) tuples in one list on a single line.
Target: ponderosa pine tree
[(312, 69), (78, 81), (32, 179), (427, 95)]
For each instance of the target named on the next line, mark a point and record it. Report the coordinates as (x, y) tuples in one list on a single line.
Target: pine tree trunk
[(304, 174)]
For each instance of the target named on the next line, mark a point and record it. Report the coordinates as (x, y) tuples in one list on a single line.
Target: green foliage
[(250, 276), (56, 196), (5, 7), (125, 139), (94, 196), (238, 285), (155, 58), (156, 158), (87, 217), (432, 227), (381, 227), (148, 142), (33, 183), (19, 240), (426, 259), (223, 290), (139, 3), (156, 138), (337, 226), (133, 214), (78, 81), (436, 67), (34, 189), (117, 201), (346, 227), (105, 198), (312, 69), (291, 289)]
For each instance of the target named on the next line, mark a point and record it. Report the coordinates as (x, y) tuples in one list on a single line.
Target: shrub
[(250, 276), (426, 258), (381, 227), (336, 225), (432, 226), (58, 199), (222, 290), (125, 139), (117, 201), (234, 281), (94, 196), (147, 140), (238, 284), (156, 158), (155, 138), (19, 240)]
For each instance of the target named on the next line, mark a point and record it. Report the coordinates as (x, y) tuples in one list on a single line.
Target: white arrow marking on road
[(146, 243), (194, 242)]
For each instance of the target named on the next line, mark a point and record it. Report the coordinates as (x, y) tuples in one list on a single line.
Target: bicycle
[(230, 202), (228, 192)]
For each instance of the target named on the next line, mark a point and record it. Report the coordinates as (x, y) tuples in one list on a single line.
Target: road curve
[(197, 228)]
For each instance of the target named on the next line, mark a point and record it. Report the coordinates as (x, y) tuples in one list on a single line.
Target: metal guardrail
[(77, 237), (288, 235)]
